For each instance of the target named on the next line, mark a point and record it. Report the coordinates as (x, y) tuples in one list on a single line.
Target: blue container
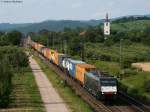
[(62, 60), (71, 66)]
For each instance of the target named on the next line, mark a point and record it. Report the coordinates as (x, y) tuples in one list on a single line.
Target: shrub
[(129, 72), (146, 85), (133, 91), (5, 82), (11, 58), (15, 56)]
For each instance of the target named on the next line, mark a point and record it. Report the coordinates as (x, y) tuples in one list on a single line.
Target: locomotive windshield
[(108, 82)]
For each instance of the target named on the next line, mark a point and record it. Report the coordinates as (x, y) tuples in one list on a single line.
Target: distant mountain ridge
[(52, 25), (4, 26), (59, 25)]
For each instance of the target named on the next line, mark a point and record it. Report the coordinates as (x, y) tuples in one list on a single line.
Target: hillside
[(5, 26), (126, 22), (139, 24), (50, 25)]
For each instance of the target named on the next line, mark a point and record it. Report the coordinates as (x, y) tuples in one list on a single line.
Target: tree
[(11, 38), (5, 82)]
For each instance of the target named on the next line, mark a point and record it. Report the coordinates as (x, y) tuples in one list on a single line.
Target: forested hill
[(126, 22), (50, 25), (131, 18), (131, 25), (5, 26)]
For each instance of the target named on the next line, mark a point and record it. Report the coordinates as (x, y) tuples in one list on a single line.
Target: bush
[(146, 85), (129, 72), (108, 42), (133, 91), (11, 59), (122, 87), (5, 82), (11, 38), (15, 55)]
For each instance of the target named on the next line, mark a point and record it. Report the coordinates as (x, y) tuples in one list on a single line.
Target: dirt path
[(144, 66), (51, 99)]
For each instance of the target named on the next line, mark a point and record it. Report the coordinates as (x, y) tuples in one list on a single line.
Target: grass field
[(130, 52), (75, 103), (110, 67), (137, 82), (25, 96)]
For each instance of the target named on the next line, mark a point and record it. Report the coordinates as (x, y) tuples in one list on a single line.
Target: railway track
[(98, 106), (95, 104), (136, 104)]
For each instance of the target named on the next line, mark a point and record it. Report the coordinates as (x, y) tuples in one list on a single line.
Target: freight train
[(94, 81)]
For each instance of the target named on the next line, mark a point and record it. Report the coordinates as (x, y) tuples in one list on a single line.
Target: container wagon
[(90, 78), (81, 69), (71, 66)]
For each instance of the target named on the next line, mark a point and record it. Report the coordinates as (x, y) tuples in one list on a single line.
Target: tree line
[(77, 39), (12, 60)]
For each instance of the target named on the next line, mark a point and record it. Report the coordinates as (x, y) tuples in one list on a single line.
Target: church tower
[(107, 26)]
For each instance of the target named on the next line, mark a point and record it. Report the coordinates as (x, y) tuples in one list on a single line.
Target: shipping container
[(36, 46), (71, 66), (65, 63), (52, 56), (61, 60), (42, 50), (47, 53), (57, 55), (81, 69), (39, 47)]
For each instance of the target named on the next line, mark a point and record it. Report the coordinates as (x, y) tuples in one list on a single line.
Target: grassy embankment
[(75, 103), (25, 96)]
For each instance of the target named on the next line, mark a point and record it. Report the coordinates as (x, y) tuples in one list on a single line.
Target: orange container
[(56, 57), (39, 46), (36, 46), (52, 55), (47, 53), (81, 69)]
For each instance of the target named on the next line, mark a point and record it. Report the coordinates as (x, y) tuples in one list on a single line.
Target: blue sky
[(40, 10)]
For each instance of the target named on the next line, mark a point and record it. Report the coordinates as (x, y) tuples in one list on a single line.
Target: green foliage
[(10, 38), (146, 85), (15, 56), (12, 59), (108, 42), (131, 18), (140, 83), (5, 82), (133, 37), (129, 72)]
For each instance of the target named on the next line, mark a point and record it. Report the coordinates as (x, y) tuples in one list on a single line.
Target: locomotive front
[(108, 86)]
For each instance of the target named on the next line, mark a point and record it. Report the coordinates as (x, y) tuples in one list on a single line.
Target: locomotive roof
[(98, 75)]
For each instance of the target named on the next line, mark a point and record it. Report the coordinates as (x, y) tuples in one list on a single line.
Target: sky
[(41, 10)]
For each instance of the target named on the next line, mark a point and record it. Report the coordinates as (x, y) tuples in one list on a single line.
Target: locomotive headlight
[(109, 89)]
